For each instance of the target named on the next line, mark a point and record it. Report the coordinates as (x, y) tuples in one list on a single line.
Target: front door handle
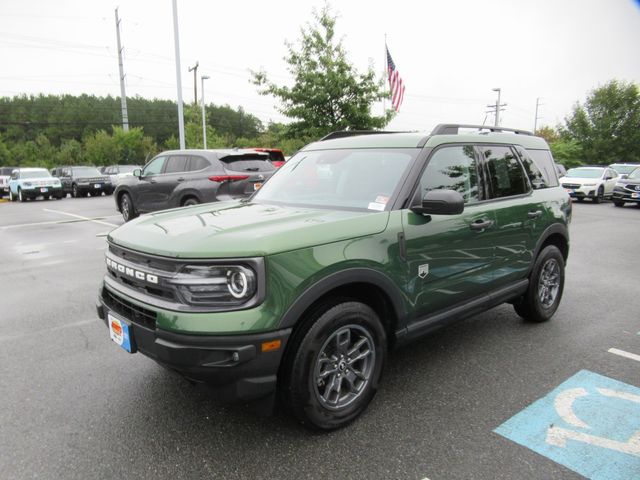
[(480, 224), (181, 179), (534, 214)]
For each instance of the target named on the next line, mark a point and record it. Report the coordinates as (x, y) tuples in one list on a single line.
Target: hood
[(235, 229), (579, 180)]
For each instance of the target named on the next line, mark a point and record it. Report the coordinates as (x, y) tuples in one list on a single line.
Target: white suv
[(595, 183)]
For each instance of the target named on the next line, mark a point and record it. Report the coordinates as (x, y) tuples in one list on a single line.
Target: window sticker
[(376, 206)]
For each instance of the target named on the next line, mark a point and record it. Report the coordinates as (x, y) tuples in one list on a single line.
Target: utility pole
[(176, 37), (535, 121), (497, 107), (204, 114), (123, 95), (194, 69)]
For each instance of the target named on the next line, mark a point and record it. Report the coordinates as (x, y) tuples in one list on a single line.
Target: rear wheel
[(126, 207), (546, 283), (190, 201), (332, 371)]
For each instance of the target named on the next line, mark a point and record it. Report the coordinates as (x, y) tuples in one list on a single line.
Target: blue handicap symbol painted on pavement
[(590, 424)]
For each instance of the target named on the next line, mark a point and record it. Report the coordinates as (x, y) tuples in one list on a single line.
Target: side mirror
[(440, 202), (137, 173)]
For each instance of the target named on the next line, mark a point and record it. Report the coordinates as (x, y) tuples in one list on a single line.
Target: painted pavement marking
[(622, 353), (590, 424), (81, 217)]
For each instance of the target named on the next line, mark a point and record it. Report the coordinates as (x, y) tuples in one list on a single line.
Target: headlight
[(215, 285), (27, 184), (589, 184)]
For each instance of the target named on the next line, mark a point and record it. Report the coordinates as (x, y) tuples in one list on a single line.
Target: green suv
[(360, 243)]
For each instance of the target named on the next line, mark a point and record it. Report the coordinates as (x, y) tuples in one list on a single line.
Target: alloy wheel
[(549, 283)]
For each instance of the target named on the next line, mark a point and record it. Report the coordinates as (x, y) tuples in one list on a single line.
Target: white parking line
[(622, 353), (81, 217)]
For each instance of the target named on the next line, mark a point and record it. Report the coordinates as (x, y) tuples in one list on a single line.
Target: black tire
[(21, 197), (126, 207), (332, 334), (74, 191), (46, 197), (108, 192), (547, 280), (580, 199), (618, 204), (599, 196), (11, 197), (190, 201)]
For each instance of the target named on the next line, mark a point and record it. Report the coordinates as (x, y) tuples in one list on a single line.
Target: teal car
[(358, 244), (30, 183)]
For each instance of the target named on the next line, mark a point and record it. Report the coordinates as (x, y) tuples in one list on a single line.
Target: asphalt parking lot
[(75, 405)]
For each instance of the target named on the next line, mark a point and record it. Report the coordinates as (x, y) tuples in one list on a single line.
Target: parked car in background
[(627, 189), (624, 169), (83, 180), (116, 172), (187, 177), (5, 176), (276, 157), (595, 183), (30, 183)]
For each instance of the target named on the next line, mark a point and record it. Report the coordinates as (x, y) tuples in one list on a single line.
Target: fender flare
[(556, 228), (339, 279)]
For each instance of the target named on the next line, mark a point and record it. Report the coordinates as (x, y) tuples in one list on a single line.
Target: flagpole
[(384, 71)]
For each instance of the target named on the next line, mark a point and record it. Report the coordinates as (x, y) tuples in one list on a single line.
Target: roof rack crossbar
[(352, 133), (452, 129)]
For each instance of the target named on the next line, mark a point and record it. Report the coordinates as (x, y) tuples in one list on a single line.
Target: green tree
[(568, 152), (328, 93), (607, 126)]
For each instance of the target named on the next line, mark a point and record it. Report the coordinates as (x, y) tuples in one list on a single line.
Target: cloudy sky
[(449, 54)]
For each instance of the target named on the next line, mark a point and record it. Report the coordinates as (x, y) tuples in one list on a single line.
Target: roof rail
[(352, 133), (452, 129)]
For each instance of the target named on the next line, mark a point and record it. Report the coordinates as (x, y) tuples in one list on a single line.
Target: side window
[(66, 172), (176, 164), (545, 163), (14, 175), (452, 168), (154, 167), (612, 173), (506, 176), (196, 163), (535, 175)]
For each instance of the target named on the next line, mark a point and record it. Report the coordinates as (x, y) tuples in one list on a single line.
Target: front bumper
[(581, 191), (626, 195), (234, 365), (94, 187), (33, 192)]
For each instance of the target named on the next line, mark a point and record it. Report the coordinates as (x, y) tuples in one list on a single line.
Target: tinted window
[(536, 177), (197, 163), (176, 164), (452, 168), (247, 163), (154, 167), (544, 161), (506, 176)]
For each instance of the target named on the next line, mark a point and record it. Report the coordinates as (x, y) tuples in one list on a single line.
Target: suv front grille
[(128, 310), (571, 185)]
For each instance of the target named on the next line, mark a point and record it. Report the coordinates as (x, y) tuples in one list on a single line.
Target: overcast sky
[(449, 54)]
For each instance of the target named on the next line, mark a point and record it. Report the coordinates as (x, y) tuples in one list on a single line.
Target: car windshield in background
[(42, 173), (623, 169), (86, 172), (635, 174), (585, 172), (348, 179), (248, 163), (6, 170)]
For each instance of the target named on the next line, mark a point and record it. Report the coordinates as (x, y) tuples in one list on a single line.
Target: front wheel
[(11, 197), (74, 191), (21, 197), (599, 196), (126, 207), (332, 371), (618, 204), (546, 283)]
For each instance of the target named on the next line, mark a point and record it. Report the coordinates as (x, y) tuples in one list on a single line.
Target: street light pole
[(178, 75), (497, 107), (204, 115)]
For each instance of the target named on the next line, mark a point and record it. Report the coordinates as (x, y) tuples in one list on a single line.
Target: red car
[(276, 157)]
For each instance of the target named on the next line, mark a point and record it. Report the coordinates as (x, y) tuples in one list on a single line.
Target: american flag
[(395, 82)]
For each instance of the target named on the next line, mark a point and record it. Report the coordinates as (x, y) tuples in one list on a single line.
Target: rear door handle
[(534, 214), (480, 224)]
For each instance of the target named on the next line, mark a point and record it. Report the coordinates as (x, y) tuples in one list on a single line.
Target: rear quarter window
[(544, 161)]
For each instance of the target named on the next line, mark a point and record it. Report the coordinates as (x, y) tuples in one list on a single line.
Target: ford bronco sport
[(360, 243)]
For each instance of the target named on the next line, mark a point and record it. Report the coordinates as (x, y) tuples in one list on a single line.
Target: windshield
[(40, 173), (635, 175), (584, 172), (86, 172), (350, 179), (623, 169)]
